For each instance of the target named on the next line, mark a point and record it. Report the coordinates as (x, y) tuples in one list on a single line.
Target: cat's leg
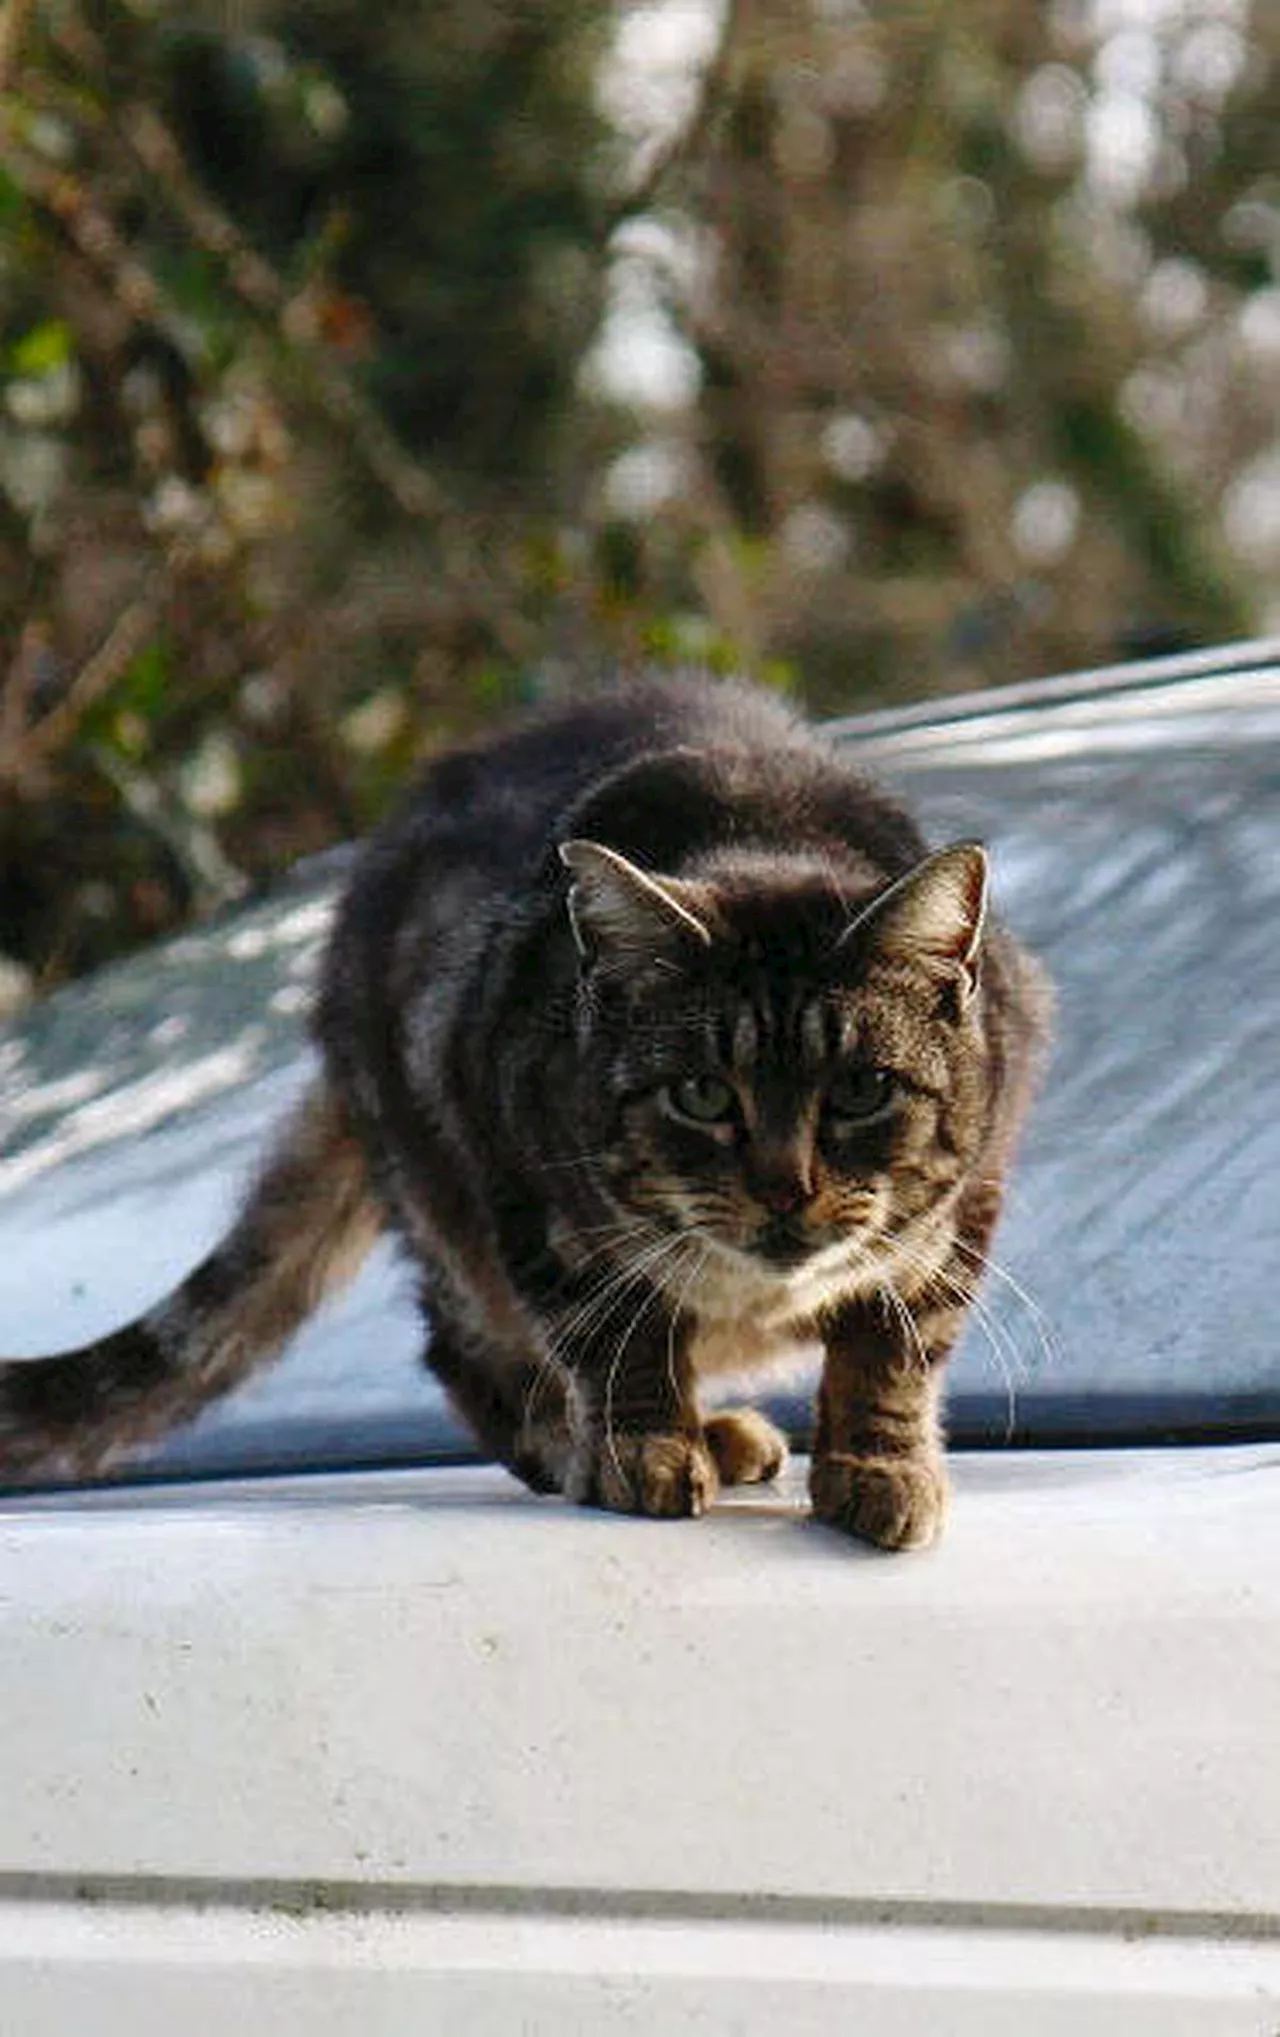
[(878, 1468), (640, 1445), (623, 1433), (516, 1406), (747, 1447)]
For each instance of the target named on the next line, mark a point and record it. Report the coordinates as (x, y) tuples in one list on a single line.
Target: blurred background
[(367, 370)]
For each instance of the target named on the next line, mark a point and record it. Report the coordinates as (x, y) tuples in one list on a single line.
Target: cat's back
[(664, 770), (703, 757), (527, 773), (463, 851)]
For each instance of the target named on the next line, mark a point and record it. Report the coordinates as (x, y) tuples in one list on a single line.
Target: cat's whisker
[(1004, 1352), (617, 1232), (1045, 1333), (676, 1245), (552, 1368), (701, 1255), (594, 1310), (841, 895), (610, 1292), (908, 1323)]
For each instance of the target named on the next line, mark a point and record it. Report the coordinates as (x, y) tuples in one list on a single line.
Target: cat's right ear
[(613, 904), (935, 914)]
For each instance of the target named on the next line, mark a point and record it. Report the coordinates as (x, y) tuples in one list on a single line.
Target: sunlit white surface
[(324, 1750), (141, 1970)]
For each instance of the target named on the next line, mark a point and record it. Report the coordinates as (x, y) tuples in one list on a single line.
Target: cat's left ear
[(613, 904), (935, 913)]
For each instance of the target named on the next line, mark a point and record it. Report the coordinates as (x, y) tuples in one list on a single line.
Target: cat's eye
[(860, 1095), (704, 1099)]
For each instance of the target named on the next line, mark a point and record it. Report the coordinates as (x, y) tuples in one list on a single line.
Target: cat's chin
[(783, 1247), (742, 1277)]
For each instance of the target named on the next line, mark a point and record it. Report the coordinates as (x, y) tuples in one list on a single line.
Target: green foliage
[(44, 347)]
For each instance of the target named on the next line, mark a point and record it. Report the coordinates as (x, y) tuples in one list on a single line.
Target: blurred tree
[(967, 315), (362, 371), (293, 303)]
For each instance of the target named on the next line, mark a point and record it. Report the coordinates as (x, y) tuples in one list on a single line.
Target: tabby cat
[(659, 1040)]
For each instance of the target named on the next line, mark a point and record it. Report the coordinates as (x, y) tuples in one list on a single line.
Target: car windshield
[(1134, 824)]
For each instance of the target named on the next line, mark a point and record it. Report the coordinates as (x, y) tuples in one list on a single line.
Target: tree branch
[(128, 636), (155, 149)]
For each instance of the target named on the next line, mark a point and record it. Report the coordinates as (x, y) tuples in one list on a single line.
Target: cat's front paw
[(897, 1503), (667, 1477), (748, 1449)]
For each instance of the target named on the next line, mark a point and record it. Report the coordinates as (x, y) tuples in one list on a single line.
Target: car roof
[(1133, 819)]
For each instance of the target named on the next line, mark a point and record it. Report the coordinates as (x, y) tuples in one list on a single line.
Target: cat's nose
[(781, 1190)]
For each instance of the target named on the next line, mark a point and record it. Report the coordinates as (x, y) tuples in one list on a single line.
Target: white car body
[(416, 1752)]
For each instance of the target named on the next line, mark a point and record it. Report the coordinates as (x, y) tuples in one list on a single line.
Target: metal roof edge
[(1101, 682)]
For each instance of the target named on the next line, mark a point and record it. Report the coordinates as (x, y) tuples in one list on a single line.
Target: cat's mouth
[(786, 1244)]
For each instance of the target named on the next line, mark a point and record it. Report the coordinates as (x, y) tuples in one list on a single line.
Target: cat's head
[(786, 1055)]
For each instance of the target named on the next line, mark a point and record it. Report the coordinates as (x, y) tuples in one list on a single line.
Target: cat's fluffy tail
[(304, 1229)]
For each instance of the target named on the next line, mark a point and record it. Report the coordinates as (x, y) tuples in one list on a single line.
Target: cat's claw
[(664, 1476), (896, 1503)]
